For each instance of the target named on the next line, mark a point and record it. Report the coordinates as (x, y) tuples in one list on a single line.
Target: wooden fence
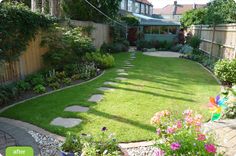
[(31, 60), (100, 34), (218, 41)]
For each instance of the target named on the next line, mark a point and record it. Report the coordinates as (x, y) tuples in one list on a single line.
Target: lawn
[(153, 84)]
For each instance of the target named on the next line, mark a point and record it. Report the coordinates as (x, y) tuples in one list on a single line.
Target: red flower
[(201, 137), (210, 148)]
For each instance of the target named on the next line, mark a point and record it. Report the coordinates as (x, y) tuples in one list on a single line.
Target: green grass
[(154, 84)]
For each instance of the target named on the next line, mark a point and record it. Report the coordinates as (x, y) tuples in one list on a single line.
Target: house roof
[(144, 1), (180, 9), (147, 20)]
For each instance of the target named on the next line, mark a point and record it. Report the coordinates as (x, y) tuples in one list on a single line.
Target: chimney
[(174, 8), (194, 6)]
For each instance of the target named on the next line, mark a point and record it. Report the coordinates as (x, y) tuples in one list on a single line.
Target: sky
[(162, 3)]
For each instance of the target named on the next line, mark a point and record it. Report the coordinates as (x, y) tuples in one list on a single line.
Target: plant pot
[(67, 153)]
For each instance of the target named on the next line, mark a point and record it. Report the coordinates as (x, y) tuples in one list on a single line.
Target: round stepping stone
[(96, 98), (123, 74), (110, 83), (121, 78), (106, 89), (65, 122), (76, 109)]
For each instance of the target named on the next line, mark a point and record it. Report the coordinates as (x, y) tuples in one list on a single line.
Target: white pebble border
[(141, 151), (48, 146)]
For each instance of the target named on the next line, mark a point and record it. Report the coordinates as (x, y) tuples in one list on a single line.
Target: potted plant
[(72, 146)]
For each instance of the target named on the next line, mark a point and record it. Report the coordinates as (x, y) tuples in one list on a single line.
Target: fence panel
[(218, 41)]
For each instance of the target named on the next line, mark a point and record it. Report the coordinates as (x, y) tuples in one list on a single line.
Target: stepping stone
[(76, 109), (65, 122), (96, 98), (121, 70), (129, 65), (123, 74), (110, 83), (121, 78), (106, 89)]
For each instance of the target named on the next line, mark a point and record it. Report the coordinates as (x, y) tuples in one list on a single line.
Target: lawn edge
[(51, 92)]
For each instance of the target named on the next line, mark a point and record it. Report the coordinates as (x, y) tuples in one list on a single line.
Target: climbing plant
[(18, 25)]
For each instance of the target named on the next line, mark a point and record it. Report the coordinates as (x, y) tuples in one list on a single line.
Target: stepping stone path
[(121, 78), (110, 83), (123, 74), (225, 131), (106, 89), (66, 122), (129, 65), (96, 98), (76, 109), (121, 70)]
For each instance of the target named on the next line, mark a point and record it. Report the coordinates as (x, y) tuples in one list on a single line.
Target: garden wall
[(100, 34), (218, 41), (29, 62)]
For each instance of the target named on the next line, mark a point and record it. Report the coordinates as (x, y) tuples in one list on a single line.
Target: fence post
[(212, 41)]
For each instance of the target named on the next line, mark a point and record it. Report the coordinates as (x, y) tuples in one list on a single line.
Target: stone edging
[(29, 127), (54, 91)]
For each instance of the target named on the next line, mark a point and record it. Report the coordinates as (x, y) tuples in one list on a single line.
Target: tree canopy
[(216, 12), (81, 10)]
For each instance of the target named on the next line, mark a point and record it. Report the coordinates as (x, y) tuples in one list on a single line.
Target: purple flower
[(104, 129), (175, 146), (159, 152)]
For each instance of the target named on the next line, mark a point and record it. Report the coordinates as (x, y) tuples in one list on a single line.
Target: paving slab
[(123, 74), (121, 78), (106, 89), (110, 83), (76, 109), (120, 70), (65, 122), (96, 98), (129, 65)]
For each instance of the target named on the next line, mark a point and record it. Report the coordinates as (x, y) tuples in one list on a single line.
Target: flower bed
[(182, 136)]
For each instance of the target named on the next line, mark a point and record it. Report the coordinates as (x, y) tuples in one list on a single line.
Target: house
[(150, 28), (175, 11), (137, 6)]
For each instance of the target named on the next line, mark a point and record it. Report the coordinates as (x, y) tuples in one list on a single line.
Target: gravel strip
[(141, 151), (48, 146)]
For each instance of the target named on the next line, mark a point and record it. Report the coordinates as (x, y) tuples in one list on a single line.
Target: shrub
[(23, 86), (7, 93), (75, 77), (87, 70), (115, 47), (102, 61), (72, 144), (66, 81), (176, 48), (230, 112), (66, 46), (35, 79), (225, 70), (55, 85), (39, 89), (182, 136), (186, 49), (194, 42)]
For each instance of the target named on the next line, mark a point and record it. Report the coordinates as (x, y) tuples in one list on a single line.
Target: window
[(142, 9), (147, 30), (137, 7), (146, 10), (172, 30), (164, 30), (122, 5), (130, 5), (150, 10), (152, 30)]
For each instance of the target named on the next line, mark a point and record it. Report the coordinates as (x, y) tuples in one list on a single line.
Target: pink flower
[(159, 152), (198, 117), (188, 112), (158, 131), (175, 146), (170, 130), (155, 120), (189, 120), (201, 137), (179, 124), (210, 148)]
